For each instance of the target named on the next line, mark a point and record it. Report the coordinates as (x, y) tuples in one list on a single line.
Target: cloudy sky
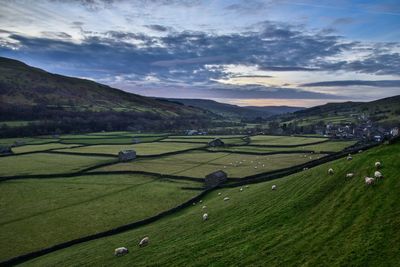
[(244, 52)]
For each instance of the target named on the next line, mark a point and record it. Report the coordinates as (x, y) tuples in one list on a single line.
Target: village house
[(216, 142), (216, 178), (127, 155)]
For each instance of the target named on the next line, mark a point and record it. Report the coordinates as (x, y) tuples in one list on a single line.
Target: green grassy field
[(46, 163), (199, 164), (95, 140), (38, 213), (283, 140), (33, 148), (141, 149), (312, 219), (331, 146), (26, 140)]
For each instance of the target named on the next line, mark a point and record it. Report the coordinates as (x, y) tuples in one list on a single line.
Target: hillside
[(23, 85), (384, 111), (312, 219), (53, 102), (233, 111)]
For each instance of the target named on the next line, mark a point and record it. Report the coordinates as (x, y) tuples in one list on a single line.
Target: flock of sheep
[(368, 180)]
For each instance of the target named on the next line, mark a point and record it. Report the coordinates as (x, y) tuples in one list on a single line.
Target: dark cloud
[(343, 21), (380, 83), (185, 57), (158, 28)]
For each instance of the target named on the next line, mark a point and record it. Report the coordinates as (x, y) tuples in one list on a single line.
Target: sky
[(243, 52)]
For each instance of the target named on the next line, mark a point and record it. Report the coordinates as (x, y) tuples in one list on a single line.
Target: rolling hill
[(23, 85), (234, 111), (46, 103), (312, 219)]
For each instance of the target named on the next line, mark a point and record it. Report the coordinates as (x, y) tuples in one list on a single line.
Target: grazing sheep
[(305, 168), (144, 242), (349, 157), (205, 217), (241, 189), (247, 186), (378, 164), (226, 198), (204, 207), (378, 175), (273, 187), (360, 151), (255, 167), (120, 251), (330, 171), (369, 181), (194, 203), (219, 193), (201, 201), (349, 175)]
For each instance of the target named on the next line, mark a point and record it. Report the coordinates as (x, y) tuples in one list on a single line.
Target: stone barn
[(216, 178), (127, 155), (216, 142), (4, 150)]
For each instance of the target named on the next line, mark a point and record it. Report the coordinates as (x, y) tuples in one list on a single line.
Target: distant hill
[(384, 111), (234, 111), (32, 94)]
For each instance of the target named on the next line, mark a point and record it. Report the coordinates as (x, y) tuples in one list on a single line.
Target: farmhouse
[(4, 150), (215, 178), (127, 155), (216, 142)]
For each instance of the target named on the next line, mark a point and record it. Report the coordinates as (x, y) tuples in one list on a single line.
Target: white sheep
[(349, 157), (273, 187), (144, 242), (241, 189), (194, 203), (378, 164), (349, 175), (226, 198), (205, 217), (360, 151), (204, 207), (201, 201), (378, 175), (120, 251), (219, 193), (330, 171), (369, 181), (247, 186), (305, 168)]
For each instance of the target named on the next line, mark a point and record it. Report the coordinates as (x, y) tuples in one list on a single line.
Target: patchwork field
[(141, 149), (198, 164), (34, 148), (331, 146), (312, 219), (42, 212), (38, 213), (46, 163), (93, 140), (284, 140)]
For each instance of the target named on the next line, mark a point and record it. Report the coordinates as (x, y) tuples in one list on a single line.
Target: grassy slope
[(38, 213), (283, 140), (312, 219)]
